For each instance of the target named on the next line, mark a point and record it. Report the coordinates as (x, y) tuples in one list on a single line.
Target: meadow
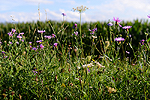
[(72, 61)]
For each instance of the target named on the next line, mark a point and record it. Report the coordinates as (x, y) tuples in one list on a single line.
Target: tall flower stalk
[(80, 10)]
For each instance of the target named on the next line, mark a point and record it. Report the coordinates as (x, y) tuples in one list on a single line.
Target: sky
[(98, 10)]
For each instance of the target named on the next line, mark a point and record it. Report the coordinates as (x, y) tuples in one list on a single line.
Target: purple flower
[(142, 42), (17, 42), (13, 30), (41, 46), (75, 26), (88, 69), (10, 42), (3, 52), (22, 40), (40, 31), (148, 16), (109, 24), (63, 14), (19, 36), (48, 37), (21, 33), (117, 19), (93, 30), (0, 42), (119, 39), (127, 52), (35, 72), (120, 25), (53, 35), (10, 34), (34, 48), (55, 44), (39, 41), (76, 33), (30, 42), (126, 27)]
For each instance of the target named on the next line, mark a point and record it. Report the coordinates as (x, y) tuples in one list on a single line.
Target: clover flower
[(119, 39), (40, 31)]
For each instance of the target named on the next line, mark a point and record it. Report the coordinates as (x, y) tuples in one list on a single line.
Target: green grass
[(67, 72)]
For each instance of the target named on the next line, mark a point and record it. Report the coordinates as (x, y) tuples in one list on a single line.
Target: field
[(72, 61)]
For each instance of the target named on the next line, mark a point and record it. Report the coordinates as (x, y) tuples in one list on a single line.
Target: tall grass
[(52, 65)]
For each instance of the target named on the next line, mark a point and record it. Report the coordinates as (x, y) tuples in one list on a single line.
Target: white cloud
[(40, 1)]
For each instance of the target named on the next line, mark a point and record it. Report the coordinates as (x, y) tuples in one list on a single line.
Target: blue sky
[(99, 10)]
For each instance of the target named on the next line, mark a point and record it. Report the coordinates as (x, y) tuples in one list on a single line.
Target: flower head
[(55, 44), (109, 24), (76, 33), (93, 30), (63, 14), (19, 36), (39, 41), (119, 39), (117, 20), (142, 42), (75, 26), (34, 48), (21, 33), (41, 46), (126, 27), (40, 31), (10, 34), (80, 9), (13, 30), (53, 36)]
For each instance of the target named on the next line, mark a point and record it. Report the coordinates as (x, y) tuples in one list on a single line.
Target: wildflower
[(21, 33), (17, 42), (40, 31), (22, 40), (39, 41), (19, 36), (35, 72), (10, 34), (120, 25), (10, 42), (117, 20), (0, 42), (80, 9), (119, 39), (142, 42), (76, 33), (55, 44), (109, 24), (126, 27), (93, 30), (41, 46), (13, 30), (34, 48), (88, 69), (75, 26), (94, 37), (63, 14), (30, 42), (48, 37), (127, 52), (3, 52), (53, 35), (148, 16)]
